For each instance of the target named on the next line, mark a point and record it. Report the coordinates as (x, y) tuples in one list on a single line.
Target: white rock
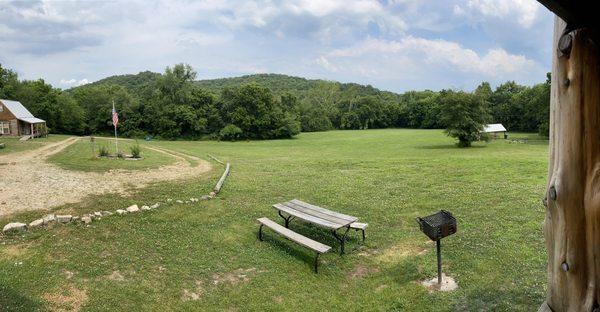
[(155, 206), (169, 200), (187, 201), (133, 208), (86, 220), (146, 208), (106, 213), (36, 223), (212, 194), (64, 218), (75, 218), (98, 214), (205, 197), (15, 226), (179, 201), (121, 211), (49, 218)]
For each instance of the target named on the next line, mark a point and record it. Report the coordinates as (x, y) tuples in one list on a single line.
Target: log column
[(572, 224)]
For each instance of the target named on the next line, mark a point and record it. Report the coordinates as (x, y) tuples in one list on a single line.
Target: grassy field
[(79, 156), (14, 145), (206, 256)]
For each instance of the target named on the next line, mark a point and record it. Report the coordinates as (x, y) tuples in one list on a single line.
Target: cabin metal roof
[(22, 113), (494, 128)]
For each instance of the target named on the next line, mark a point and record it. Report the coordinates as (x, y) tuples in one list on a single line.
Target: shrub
[(230, 133), (103, 151), (136, 150)]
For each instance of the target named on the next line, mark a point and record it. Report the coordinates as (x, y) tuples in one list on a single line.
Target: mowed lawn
[(13, 145), (206, 256), (82, 156)]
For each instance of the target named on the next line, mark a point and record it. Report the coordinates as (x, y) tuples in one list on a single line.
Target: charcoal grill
[(436, 227)]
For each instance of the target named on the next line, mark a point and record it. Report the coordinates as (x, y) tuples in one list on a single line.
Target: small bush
[(136, 150), (230, 133), (103, 151)]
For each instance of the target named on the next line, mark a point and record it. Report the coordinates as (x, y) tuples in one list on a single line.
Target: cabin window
[(1, 108), (4, 127)]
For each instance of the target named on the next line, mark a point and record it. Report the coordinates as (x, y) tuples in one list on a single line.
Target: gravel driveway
[(28, 182)]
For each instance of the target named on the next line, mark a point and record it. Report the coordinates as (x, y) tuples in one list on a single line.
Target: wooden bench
[(359, 226), (317, 247)]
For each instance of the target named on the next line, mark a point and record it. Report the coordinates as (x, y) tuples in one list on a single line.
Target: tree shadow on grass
[(448, 146), (12, 300)]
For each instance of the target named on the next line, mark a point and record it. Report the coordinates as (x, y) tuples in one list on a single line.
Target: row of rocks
[(86, 219)]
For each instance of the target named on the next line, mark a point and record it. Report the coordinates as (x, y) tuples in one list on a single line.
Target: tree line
[(175, 105)]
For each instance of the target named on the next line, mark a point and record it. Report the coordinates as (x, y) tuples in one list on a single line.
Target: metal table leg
[(286, 220), (341, 239)]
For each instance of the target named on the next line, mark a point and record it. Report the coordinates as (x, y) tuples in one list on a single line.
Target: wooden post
[(572, 224)]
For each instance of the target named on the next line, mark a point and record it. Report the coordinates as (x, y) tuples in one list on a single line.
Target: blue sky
[(395, 45)]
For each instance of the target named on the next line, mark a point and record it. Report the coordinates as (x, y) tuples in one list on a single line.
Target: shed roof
[(17, 109), (494, 128)]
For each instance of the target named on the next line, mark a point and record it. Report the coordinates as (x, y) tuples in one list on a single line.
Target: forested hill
[(277, 83), (134, 83), (300, 87)]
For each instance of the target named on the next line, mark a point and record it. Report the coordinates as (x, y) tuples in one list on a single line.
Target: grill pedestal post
[(439, 259)]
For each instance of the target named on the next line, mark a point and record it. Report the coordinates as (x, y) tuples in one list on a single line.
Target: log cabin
[(16, 120)]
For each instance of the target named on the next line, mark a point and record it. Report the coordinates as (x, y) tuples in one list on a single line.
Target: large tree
[(464, 115)]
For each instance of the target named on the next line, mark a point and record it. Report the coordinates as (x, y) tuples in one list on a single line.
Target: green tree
[(253, 109), (464, 116), (9, 82)]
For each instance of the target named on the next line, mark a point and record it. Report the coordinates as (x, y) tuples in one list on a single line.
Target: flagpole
[(116, 139)]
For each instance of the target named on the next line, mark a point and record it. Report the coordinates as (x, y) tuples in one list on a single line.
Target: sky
[(395, 45)]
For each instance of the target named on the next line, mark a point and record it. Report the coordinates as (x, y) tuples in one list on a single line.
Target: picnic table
[(318, 216)]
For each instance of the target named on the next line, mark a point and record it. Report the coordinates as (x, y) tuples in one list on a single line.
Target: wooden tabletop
[(315, 214)]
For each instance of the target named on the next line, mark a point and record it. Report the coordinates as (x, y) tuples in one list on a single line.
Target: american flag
[(115, 116)]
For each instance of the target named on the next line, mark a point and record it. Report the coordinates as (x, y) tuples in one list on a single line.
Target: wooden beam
[(572, 223), (579, 13)]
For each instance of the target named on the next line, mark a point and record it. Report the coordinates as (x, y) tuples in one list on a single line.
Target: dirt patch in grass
[(397, 252), (67, 274), (71, 299), (235, 277), (195, 294), (14, 251), (115, 276), (361, 271)]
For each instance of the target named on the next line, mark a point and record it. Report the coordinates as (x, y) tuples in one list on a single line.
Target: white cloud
[(525, 11), (412, 58), (73, 82), (354, 41)]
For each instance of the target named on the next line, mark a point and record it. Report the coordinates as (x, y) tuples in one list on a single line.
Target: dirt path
[(28, 182)]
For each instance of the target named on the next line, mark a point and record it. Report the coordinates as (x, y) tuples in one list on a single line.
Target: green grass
[(385, 177), (79, 156), (13, 145)]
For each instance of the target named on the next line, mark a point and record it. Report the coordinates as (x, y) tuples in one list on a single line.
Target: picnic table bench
[(317, 247)]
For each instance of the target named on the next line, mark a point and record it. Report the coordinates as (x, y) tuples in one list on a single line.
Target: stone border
[(86, 219)]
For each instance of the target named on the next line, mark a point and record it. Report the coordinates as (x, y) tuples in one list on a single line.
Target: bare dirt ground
[(28, 182)]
